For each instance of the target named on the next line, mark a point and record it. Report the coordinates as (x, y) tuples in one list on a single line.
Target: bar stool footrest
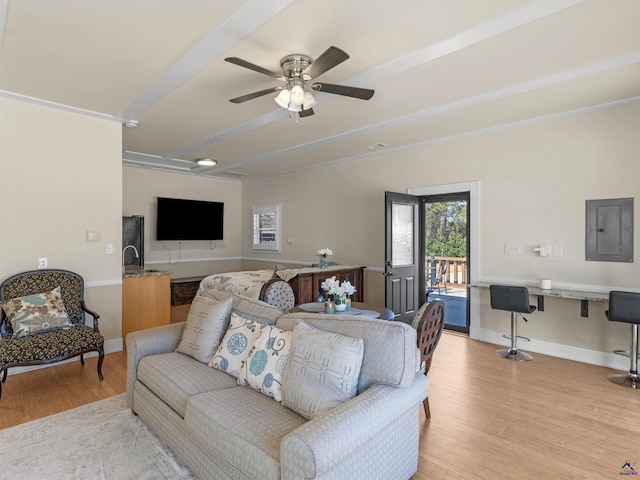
[(526, 339)]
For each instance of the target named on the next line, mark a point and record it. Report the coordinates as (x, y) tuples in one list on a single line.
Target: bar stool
[(625, 307), (514, 300)]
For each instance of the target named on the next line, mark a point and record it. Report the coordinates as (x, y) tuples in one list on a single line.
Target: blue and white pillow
[(267, 362), (236, 344)]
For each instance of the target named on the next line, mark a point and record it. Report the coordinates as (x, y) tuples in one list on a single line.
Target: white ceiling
[(440, 69)]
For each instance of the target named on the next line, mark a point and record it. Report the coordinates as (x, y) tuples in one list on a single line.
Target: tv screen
[(180, 219)]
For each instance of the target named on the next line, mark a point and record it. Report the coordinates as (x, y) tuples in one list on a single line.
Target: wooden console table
[(585, 296), (306, 282)]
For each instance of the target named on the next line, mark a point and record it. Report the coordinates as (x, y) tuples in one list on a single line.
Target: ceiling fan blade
[(306, 113), (355, 92), (251, 96), (331, 57), (254, 67)]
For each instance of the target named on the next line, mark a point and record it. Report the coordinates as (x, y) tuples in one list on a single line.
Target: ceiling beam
[(244, 21)]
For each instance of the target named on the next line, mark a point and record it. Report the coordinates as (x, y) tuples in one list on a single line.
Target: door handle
[(388, 274)]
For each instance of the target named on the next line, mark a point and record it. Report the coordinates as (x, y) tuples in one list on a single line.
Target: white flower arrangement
[(324, 252), (333, 287)]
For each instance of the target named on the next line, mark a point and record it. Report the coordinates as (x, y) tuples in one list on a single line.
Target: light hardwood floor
[(491, 418)]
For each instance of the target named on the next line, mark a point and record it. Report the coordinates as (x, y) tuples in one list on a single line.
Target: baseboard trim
[(110, 346), (568, 352)]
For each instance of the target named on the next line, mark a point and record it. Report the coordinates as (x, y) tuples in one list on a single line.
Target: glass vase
[(323, 262), (340, 302)]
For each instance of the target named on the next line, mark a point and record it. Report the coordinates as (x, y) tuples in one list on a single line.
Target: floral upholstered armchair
[(43, 320)]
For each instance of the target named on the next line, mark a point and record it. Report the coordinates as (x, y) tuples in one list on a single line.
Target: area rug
[(102, 440)]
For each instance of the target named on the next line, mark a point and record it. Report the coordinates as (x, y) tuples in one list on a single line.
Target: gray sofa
[(226, 431)]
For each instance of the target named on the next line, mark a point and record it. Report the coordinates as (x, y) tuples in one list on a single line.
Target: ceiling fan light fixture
[(308, 101), (283, 97), (206, 162), (297, 95), (294, 108)]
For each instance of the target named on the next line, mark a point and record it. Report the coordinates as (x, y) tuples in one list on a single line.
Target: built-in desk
[(585, 296)]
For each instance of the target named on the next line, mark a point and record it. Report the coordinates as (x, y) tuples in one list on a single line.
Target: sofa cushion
[(389, 347), (323, 370), (246, 307), (206, 322), (265, 367), (236, 344), (243, 428), (174, 377)]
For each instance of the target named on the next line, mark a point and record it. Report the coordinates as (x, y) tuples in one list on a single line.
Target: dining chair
[(429, 324)]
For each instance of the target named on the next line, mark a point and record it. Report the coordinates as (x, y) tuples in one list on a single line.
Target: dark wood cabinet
[(184, 289), (306, 286)]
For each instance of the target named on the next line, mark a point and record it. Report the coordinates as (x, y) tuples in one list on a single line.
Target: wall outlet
[(42, 262), (512, 249), (109, 248)]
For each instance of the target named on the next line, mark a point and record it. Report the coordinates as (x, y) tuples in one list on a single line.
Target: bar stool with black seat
[(625, 307), (516, 301)]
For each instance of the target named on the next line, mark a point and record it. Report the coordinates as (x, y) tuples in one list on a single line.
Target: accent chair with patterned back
[(43, 320)]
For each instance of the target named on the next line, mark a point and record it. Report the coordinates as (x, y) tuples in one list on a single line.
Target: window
[(267, 228)]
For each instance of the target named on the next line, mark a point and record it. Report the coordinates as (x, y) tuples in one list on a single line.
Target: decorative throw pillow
[(322, 371), (36, 313), (236, 344), (265, 367), (206, 321)]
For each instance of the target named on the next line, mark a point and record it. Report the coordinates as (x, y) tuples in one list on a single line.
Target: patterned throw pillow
[(322, 371), (36, 313), (206, 322), (265, 367), (236, 344)]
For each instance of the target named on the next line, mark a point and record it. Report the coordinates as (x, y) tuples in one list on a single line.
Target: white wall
[(60, 176)]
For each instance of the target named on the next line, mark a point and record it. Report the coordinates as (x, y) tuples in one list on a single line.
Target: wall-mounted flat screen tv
[(181, 219)]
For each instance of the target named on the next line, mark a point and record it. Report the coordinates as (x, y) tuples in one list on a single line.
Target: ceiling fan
[(298, 72)]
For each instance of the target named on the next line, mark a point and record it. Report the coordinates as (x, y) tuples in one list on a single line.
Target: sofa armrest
[(147, 342), (318, 448)]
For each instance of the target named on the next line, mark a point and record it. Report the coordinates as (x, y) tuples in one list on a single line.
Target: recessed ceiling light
[(377, 146), (206, 162)]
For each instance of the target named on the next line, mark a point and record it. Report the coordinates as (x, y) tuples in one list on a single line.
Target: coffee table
[(357, 308)]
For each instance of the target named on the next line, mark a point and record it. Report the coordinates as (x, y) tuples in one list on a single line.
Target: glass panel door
[(446, 234)]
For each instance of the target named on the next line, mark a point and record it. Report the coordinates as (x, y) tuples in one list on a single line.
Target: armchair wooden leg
[(100, 360), (427, 411)]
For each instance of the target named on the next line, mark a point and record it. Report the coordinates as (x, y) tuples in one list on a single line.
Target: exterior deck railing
[(454, 268)]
